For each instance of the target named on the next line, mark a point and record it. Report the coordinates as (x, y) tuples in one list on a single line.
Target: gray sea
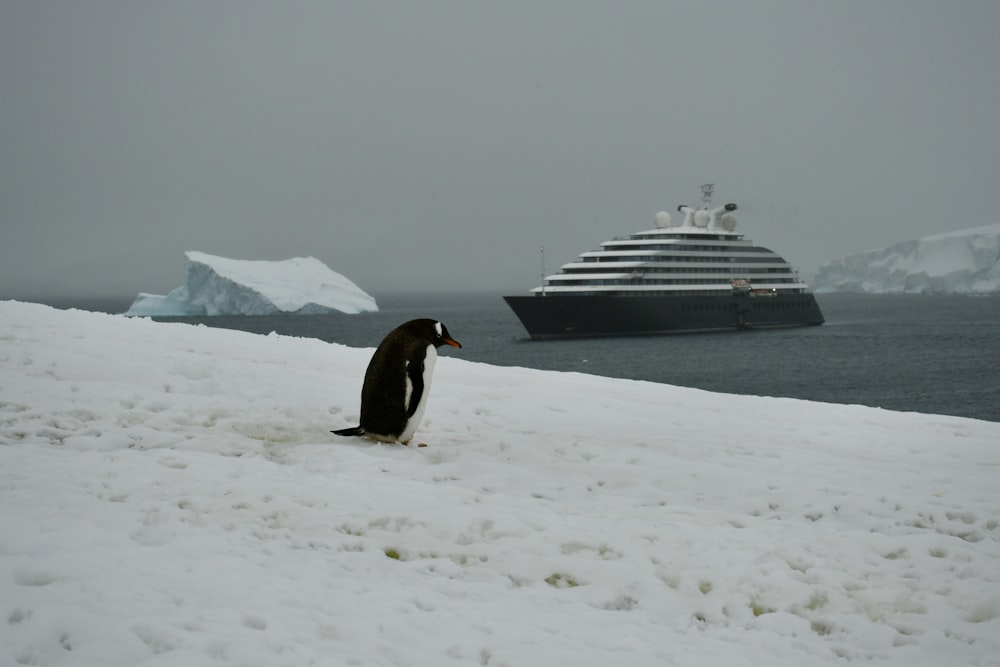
[(923, 353)]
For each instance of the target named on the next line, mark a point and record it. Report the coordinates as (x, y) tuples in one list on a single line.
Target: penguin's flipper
[(415, 374), (354, 430)]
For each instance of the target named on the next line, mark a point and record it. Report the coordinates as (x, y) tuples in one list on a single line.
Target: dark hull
[(573, 316)]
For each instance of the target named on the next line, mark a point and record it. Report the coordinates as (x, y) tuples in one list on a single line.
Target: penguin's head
[(435, 332)]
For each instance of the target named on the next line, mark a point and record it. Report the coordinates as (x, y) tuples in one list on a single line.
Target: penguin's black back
[(384, 406)]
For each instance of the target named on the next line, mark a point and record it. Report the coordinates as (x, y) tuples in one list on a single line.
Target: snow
[(965, 262), (221, 286), (172, 496)]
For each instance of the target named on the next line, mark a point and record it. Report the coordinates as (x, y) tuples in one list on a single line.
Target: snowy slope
[(964, 262), (172, 496), (221, 286)]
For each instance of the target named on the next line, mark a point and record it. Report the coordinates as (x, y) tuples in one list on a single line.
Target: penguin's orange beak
[(453, 342)]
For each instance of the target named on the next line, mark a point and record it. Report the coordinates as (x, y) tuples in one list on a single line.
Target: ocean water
[(934, 354)]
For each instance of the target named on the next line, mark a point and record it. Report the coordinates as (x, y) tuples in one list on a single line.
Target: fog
[(437, 146)]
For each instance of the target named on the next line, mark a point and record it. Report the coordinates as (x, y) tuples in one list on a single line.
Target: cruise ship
[(699, 275)]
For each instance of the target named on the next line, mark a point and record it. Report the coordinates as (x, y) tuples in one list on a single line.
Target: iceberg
[(962, 262), (221, 286)]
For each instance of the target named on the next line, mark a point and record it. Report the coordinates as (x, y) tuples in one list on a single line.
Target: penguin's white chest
[(430, 358)]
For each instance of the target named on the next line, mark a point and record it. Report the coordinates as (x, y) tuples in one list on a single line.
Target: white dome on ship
[(729, 222), (662, 219), (702, 218)]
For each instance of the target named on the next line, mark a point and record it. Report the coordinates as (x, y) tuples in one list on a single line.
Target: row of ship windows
[(687, 269), (676, 258), (686, 248), (672, 281), (764, 304), (759, 302)]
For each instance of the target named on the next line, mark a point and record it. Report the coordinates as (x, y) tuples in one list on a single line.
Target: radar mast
[(706, 193)]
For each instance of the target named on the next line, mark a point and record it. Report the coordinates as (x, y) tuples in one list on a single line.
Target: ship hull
[(568, 316)]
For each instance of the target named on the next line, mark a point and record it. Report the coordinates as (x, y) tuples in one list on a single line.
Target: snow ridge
[(172, 496)]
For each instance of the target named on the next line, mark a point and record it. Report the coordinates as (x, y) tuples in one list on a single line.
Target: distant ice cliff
[(964, 262), (221, 286)]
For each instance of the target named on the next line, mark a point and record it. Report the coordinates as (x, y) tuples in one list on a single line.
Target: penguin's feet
[(419, 444)]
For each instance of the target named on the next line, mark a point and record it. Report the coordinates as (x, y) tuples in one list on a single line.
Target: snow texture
[(964, 262), (221, 286), (172, 496)]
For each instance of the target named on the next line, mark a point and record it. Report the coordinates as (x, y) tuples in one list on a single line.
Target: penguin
[(398, 379)]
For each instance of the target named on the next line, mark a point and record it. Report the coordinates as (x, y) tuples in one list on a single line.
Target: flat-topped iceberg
[(220, 286), (962, 262)]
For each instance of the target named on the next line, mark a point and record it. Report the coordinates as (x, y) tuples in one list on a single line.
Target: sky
[(438, 146)]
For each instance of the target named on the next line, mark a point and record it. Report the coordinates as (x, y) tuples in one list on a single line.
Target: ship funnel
[(688, 215), (718, 217)]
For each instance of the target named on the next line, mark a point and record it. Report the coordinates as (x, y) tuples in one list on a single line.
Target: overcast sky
[(437, 145)]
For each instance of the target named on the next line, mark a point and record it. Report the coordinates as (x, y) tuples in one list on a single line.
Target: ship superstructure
[(703, 257)]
